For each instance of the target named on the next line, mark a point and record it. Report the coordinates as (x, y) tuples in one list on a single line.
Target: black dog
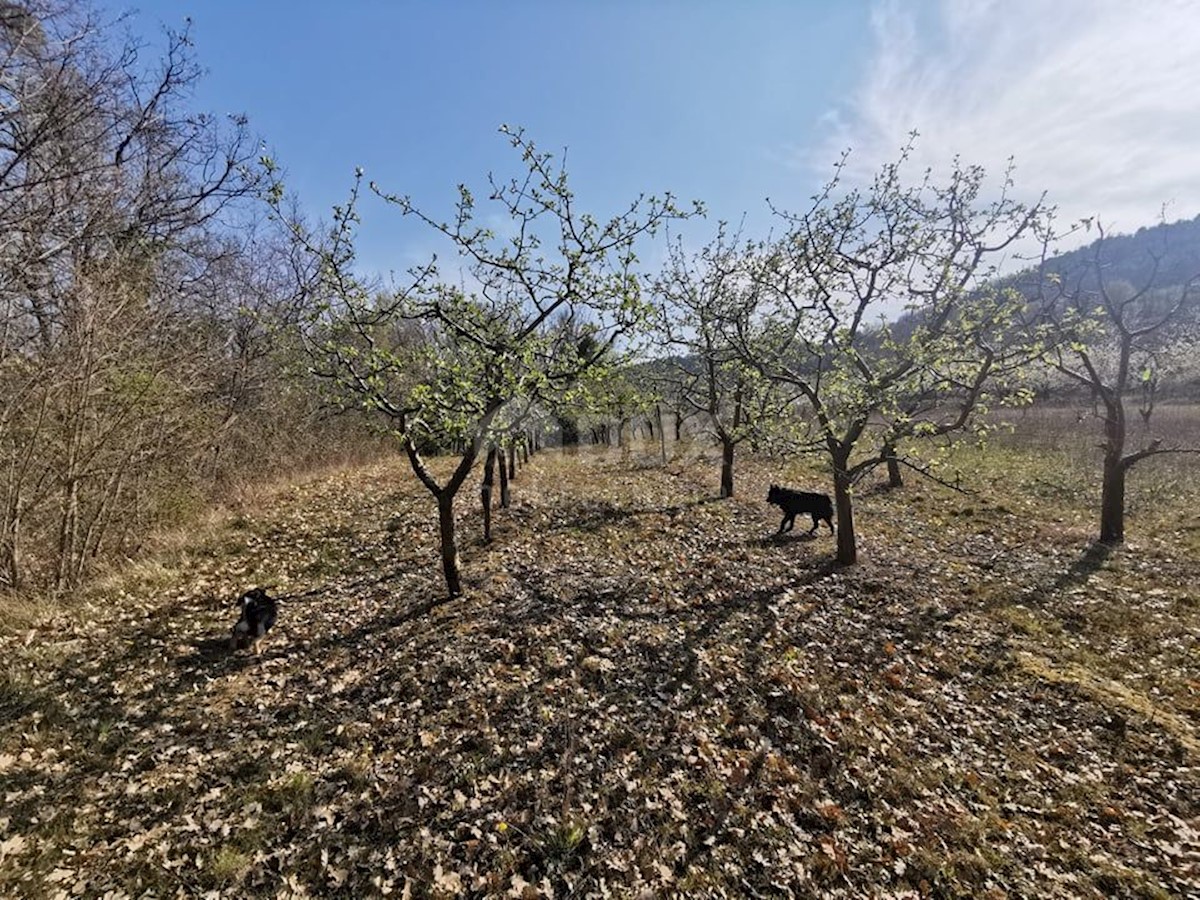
[(819, 506), (258, 615)]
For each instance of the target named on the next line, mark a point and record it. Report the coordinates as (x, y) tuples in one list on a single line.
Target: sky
[(1097, 102)]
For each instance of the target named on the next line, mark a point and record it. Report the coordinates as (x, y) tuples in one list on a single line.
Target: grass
[(229, 865), (1114, 696)]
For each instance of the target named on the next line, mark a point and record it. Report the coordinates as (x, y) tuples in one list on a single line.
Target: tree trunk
[(570, 432), (662, 433), (1112, 502), (503, 483), (847, 548), (726, 467), (512, 462), (485, 492), (68, 534), (449, 547), (11, 574), (1112, 494), (727, 443), (445, 495), (895, 480), (678, 426)]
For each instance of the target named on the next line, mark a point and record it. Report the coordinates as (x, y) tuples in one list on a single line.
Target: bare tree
[(1111, 338), (106, 184)]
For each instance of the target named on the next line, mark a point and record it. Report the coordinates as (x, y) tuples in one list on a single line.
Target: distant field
[(643, 693), (1055, 444)]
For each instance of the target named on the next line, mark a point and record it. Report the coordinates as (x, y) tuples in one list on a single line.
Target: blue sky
[(728, 102)]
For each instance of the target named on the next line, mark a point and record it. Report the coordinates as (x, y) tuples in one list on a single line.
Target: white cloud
[(1098, 101)]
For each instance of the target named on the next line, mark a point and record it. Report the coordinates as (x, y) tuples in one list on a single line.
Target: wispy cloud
[(1097, 101)]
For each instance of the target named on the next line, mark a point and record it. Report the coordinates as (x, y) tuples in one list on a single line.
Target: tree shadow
[(591, 516), (880, 488), (1079, 573), (355, 585), (206, 650), (783, 538), (758, 600)]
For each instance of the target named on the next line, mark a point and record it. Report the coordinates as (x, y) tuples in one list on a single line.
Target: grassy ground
[(643, 693)]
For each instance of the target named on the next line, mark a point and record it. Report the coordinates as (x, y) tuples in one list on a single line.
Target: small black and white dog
[(258, 615), (819, 506)]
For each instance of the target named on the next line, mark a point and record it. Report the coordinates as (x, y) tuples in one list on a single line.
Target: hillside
[(1131, 257), (643, 693)]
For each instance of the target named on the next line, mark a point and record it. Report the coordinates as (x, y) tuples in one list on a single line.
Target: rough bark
[(449, 546), (485, 492), (504, 495), (727, 448), (1112, 492), (847, 548), (1112, 502), (895, 479)]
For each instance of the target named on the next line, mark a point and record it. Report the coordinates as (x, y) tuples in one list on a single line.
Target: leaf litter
[(642, 693)]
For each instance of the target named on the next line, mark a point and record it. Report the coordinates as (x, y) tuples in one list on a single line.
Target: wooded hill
[(1165, 255)]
